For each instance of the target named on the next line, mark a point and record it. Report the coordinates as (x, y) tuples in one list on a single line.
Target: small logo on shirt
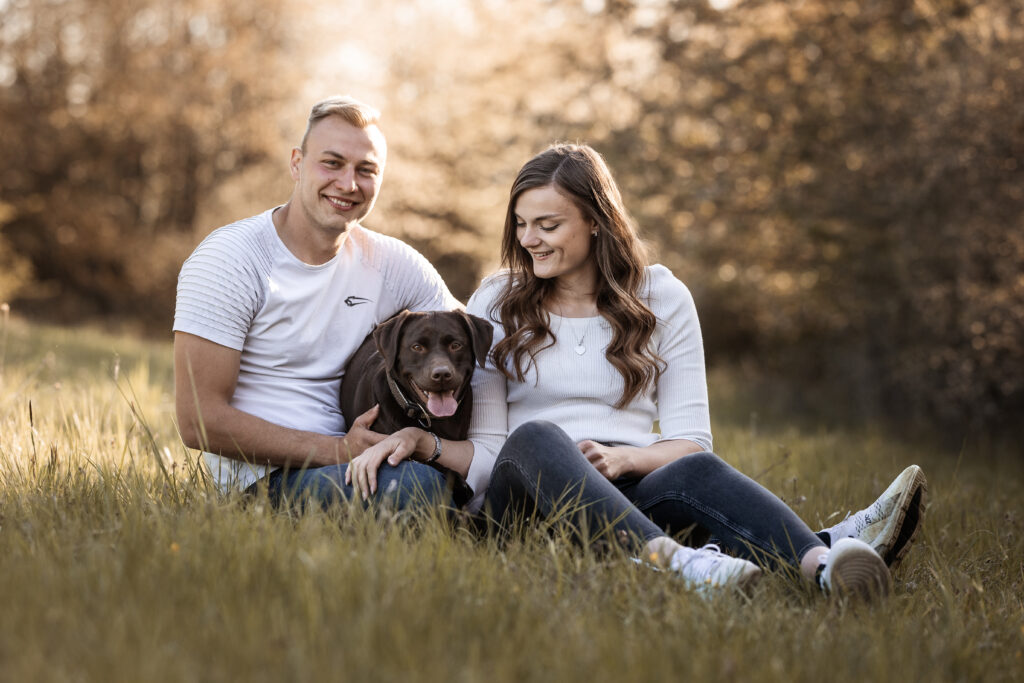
[(356, 300)]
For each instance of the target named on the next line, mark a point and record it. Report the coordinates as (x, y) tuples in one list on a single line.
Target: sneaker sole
[(900, 529), (860, 573)]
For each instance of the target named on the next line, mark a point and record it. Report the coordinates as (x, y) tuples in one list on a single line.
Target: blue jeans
[(409, 485), (541, 469)]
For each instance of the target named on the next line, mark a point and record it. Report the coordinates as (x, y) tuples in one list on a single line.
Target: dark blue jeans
[(540, 470), (410, 484)]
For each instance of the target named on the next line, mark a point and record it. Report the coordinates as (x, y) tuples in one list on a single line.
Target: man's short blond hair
[(346, 107)]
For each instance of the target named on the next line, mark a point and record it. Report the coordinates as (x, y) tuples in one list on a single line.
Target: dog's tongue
[(441, 405)]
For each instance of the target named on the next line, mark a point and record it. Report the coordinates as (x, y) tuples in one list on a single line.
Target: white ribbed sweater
[(578, 392)]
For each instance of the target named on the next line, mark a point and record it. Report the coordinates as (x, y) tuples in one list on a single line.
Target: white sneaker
[(890, 524), (709, 571), (851, 568)]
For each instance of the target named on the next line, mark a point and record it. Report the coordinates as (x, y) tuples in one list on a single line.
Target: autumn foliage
[(841, 184)]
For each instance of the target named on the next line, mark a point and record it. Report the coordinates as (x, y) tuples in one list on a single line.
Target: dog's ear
[(387, 335), (480, 333)]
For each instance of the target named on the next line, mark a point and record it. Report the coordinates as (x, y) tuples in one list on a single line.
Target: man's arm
[(205, 375)]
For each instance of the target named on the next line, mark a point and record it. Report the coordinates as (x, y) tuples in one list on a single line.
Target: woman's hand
[(611, 461), (362, 471)]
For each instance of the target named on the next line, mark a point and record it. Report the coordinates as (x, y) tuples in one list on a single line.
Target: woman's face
[(555, 233)]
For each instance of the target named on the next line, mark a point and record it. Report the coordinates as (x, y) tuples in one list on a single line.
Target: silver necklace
[(580, 349)]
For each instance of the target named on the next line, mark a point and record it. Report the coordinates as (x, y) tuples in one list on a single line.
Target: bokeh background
[(840, 183)]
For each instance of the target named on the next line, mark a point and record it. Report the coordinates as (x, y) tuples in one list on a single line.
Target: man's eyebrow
[(338, 155)]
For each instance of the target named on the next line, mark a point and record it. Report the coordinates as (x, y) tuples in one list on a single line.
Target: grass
[(119, 563)]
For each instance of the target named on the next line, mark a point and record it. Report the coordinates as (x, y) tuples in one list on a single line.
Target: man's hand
[(360, 436), (362, 471), (610, 461)]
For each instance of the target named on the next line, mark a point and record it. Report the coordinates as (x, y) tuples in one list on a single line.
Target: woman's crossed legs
[(541, 466)]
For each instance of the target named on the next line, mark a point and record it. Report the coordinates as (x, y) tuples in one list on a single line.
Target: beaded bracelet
[(437, 449)]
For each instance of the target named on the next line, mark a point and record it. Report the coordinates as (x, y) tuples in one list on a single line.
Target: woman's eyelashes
[(545, 228)]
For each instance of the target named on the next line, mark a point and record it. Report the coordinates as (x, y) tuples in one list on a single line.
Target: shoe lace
[(700, 563), (860, 520)]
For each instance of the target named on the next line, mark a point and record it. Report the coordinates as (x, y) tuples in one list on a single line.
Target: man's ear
[(295, 162), (387, 335), (480, 333)]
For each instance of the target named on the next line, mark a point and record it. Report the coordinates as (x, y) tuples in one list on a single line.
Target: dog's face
[(432, 355)]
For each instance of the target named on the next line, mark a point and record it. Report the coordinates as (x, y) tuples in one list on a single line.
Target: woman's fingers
[(356, 477), (401, 445), (363, 469)]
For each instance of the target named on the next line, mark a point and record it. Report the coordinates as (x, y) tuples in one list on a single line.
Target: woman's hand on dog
[(362, 471)]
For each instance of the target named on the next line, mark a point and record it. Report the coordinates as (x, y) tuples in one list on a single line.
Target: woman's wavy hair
[(580, 174)]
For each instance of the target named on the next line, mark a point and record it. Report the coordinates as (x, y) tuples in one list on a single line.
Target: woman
[(591, 347)]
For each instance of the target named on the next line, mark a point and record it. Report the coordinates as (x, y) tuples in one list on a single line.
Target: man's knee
[(323, 485), (408, 484), (411, 483)]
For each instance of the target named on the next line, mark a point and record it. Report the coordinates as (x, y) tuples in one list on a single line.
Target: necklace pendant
[(580, 349)]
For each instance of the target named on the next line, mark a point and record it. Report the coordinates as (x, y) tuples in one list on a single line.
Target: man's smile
[(339, 203)]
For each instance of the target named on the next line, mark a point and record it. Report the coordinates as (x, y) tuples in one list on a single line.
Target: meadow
[(118, 562)]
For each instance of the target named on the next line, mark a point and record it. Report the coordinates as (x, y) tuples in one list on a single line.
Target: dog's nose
[(441, 373)]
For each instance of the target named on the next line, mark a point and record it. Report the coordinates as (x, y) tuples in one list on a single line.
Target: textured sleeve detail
[(408, 276), (222, 285), (485, 298), (682, 391), (488, 427)]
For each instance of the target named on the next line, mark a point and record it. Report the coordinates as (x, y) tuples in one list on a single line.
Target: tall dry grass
[(119, 563)]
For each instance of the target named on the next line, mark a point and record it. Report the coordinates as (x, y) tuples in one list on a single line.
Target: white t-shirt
[(295, 324), (578, 392)]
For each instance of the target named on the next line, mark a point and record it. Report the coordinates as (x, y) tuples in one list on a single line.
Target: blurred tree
[(15, 269), (447, 89), (117, 116), (840, 183)]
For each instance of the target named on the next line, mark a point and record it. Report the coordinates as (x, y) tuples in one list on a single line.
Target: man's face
[(339, 174)]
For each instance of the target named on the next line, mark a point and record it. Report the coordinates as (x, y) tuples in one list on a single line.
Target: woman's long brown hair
[(580, 174)]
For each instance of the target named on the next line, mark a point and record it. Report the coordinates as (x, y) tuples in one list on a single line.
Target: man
[(270, 309)]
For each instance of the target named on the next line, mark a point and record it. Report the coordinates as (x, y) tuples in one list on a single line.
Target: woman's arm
[(621, 461), (681, 392)]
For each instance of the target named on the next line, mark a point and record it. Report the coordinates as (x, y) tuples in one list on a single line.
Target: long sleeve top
[(573, 385)]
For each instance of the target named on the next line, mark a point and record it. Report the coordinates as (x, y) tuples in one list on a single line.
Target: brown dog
[(418, 367)]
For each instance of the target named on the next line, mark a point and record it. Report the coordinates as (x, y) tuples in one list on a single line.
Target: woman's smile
[(553, 230)]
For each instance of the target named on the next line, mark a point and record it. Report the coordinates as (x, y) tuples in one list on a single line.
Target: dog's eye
[(417, 347), (455, 346)]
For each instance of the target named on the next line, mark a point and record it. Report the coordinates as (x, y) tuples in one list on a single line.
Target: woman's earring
[(594, 234)]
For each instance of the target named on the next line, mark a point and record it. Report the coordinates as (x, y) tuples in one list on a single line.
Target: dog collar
[(412, 409)]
